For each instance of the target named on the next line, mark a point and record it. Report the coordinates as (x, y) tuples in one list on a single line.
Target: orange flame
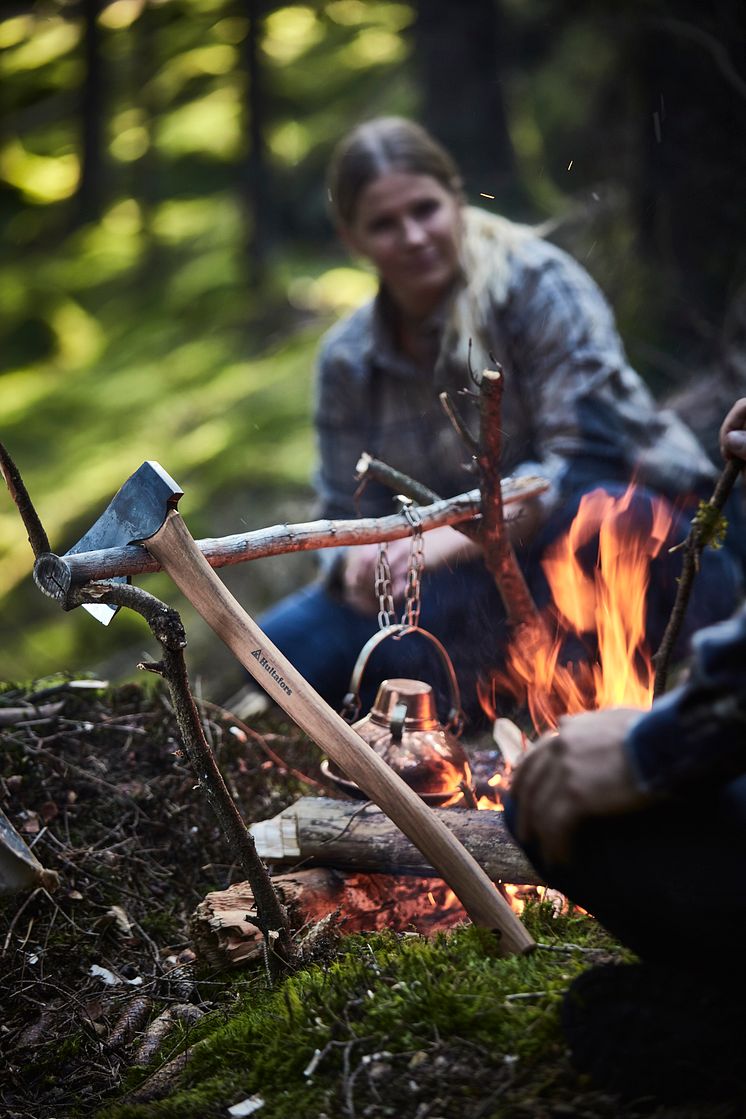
[(610, 605)]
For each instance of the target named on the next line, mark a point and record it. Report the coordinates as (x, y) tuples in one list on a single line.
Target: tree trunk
[(89, 197), (459, 50)]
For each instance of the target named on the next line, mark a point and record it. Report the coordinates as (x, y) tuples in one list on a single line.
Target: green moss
[(384, 1000)]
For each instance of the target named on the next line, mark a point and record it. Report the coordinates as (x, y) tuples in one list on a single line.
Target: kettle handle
[(351, 703)]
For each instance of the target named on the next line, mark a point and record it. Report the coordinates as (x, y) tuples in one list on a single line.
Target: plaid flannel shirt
[(573, 409)]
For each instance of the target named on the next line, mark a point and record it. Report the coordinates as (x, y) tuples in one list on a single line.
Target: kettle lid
[(414, 696)]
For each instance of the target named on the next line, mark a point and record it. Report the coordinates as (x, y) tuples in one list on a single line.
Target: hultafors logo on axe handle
[(265, 664), (144, 512)]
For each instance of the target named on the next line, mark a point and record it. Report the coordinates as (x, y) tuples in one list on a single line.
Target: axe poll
[(144, 512)]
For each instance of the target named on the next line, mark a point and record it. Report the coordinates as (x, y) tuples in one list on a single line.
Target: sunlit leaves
[(374, 46), (121, 14), (351, 13), (130, 138), (15, 30), (180, 219), (337, 290), (290, 32), (208, 61), (45, 41), (232, 29), (80, 337), (290, 141), (40, 178), (210, 125)]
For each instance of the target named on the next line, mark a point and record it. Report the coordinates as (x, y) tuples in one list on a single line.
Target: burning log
[(224, 934), (319, 831)]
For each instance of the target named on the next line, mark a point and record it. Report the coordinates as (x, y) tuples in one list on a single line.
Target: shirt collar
[(382, 350)]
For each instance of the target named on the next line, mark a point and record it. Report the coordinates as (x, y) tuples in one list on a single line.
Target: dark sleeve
[(695, 737)]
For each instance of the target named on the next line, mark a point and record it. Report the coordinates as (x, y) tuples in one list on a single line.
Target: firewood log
[(225, 936), (319, 831)]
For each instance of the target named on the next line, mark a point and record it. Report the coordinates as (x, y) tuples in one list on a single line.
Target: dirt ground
[(95, 781), (98, 786)]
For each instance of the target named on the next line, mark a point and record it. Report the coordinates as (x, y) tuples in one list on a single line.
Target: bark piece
[(361, 902)]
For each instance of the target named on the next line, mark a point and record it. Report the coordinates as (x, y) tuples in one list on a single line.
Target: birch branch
[(56, 574)]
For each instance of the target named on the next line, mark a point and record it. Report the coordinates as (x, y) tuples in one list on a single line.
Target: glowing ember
[(608, 606)]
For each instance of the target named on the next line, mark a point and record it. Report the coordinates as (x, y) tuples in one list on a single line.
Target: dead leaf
[(121, 919)]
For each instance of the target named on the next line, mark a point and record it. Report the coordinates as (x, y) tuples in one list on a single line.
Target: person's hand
[(732, 434), (568, 776), (358, 578), (440, 546)]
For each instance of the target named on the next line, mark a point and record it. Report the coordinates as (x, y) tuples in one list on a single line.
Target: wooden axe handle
[(176, 551)]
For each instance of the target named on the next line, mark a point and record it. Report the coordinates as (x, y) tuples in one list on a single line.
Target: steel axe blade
[(137, 510)]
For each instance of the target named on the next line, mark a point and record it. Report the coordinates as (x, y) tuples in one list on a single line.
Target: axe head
[(135, 512)]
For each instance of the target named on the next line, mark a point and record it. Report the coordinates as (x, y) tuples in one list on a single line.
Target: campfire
[(364, 868), (604, 610)]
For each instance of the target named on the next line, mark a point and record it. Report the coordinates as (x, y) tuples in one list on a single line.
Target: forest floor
[(393, 1025)]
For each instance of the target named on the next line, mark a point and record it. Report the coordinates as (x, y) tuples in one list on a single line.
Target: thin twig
[(698, 538), (167, 627), (37, 537), (458, 423)]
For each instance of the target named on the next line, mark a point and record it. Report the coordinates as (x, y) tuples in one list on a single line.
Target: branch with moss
[(708, 528)]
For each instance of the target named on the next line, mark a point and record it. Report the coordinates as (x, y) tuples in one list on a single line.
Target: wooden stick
[(696, 541), (350, 835), (499, 556), (37, 537), (179, 555), (166, 626), (133, 559)]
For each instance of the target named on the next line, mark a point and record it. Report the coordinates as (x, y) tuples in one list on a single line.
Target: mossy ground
[(380, 1026), (393, 1026)]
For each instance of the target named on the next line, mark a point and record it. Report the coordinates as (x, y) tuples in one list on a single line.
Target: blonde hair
[(385, 144)]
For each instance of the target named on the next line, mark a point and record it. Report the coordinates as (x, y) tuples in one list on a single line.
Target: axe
[(144, 512)]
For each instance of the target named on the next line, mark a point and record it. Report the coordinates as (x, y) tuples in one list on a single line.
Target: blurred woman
[(460, 289)]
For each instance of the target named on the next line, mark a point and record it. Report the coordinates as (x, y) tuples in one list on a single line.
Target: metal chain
[(386, 610), (415, 566), (413, 586)]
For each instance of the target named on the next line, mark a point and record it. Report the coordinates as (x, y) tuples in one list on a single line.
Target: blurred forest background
[(168, 266)]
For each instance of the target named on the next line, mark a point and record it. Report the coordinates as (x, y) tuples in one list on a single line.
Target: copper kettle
[(403, 728)]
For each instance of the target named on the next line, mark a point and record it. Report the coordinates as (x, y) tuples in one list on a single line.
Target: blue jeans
[(322, 636)]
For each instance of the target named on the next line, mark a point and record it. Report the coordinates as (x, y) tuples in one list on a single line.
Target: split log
[(319, 831), (224, 935)]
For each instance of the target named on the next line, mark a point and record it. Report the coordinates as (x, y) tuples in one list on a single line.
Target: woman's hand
[(577, 772), (440, 546), (732, 434)]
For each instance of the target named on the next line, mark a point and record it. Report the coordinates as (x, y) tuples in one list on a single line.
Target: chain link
[(386, 610), (413, 584), (413, 591)]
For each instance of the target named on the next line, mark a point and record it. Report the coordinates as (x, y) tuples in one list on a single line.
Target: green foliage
[(383, 999), (136, 335), (711, 525)]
